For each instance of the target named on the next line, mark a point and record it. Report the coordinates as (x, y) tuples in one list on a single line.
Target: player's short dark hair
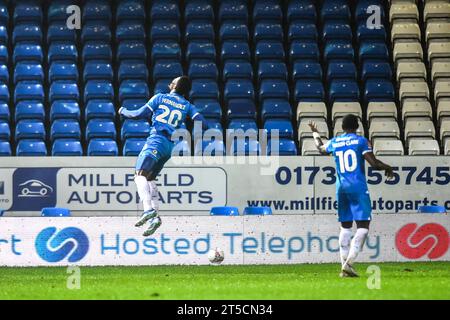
[(350, 123), (183, 86)]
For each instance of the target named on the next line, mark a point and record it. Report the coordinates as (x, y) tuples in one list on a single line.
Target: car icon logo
[(34, 188)]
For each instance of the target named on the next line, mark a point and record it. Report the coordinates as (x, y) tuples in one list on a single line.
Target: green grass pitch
[(418, 280)]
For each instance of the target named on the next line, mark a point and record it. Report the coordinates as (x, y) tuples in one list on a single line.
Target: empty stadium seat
[(247, 147), (29, 110), (64, 90), (65, 109), (284, 127), (283, 147), (384, 128), (232, 31), (164, 30), (163, 10), (5, 114), (420, 147), (99, 89), (241, 109), (234, 10), (63, 70), (206, 50), (29, 33), (102, 147), (237, 70), (204, 89), (213, 148), (273, 89), (388, 147), (28, 52), (166, 50), (341, 109), (97, 71), (272, 70), (129, 31), (99, 51), (65, 129), (30, 129), (56, 51), (224, 211), (381, 109), (59, 32), (100, 128), (275, 108), (309, 91), (32, 148), (29, 90), (99, 109), (200, 31), (135, 129), (5, 131), (234, 51), (67, 147), (132, 147), (5, 149)]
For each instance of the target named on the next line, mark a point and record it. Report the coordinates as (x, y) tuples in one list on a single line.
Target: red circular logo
[(430, 239)]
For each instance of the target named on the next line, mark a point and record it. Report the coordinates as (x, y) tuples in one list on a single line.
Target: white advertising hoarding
[(280, 239)]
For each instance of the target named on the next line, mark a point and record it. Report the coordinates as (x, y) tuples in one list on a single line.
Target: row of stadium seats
[(253, 64)]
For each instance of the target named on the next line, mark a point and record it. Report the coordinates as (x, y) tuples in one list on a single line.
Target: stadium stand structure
[(271, 64)]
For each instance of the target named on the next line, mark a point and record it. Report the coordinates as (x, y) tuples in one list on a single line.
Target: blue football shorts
[(354, 206), (156, 152)]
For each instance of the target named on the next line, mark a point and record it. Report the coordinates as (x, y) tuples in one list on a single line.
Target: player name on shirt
[(344, 141), (174, 104)]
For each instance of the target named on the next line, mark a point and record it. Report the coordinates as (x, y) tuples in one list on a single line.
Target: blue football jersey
[(170, 112), (348, 151)]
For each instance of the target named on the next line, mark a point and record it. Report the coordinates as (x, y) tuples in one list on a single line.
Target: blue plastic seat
[(4, 73), (266, 31), (267, 11), (237, 70), (132, 70), (335, 10), (258, 211), (4, 55), (343, 90), (65, 129), (97, 71), (164, 30), (235, 10), (59, 32), (5, 114), (181, 149), (103, 109), (302, 31), (4, 92), (130, 10), (130, 30), (231, 31), (4, 35), (203, 69), (202, 50), (30, 110), (167, 70), (5, 149), (304, 10), (273, 89), (246, 147), (93, 50), (98, 10), (224, 211), (4, 14), (209, 108), (373, 51), (30, 129), (304, 51), (204, 89), (241, 109), (161, 86), (199, 31), (133, 104), (30, 33), (132, 147), (374, 69), (198, 10), (243, 124), (239, 89), (214, 148), (27, 52), (134, 50), (26, 90), (306, 70), (275, 109), (61, 109), (64, 90), (63, 70), (309, 90), (55, 212), (57, 11), (5, 131), (269, 50), (165, 50), (272, 70), (31, 148), (379, 90), (341, 70), (98, 89), (339, 50), (165, 10), (67, 148), (96, 32), (283, 126), (134, 129), (61, 51), (133, 89), (235, 51), (432, 209), (336, 31), (100, 128), (28, 72), (286, 147), (27, 12), (102, 147), (363, 33)]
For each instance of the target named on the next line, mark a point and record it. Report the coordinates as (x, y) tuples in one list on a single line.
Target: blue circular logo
[(53, 246)]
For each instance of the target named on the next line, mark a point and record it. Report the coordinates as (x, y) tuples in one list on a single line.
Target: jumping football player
[(168, 112), (350, 151)]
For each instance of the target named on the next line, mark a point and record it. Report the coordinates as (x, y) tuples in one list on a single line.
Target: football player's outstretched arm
[(317, 140), (379, 165), (142, 112)]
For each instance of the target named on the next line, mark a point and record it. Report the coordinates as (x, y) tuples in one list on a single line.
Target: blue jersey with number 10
[(170, 112), (348, 151)]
